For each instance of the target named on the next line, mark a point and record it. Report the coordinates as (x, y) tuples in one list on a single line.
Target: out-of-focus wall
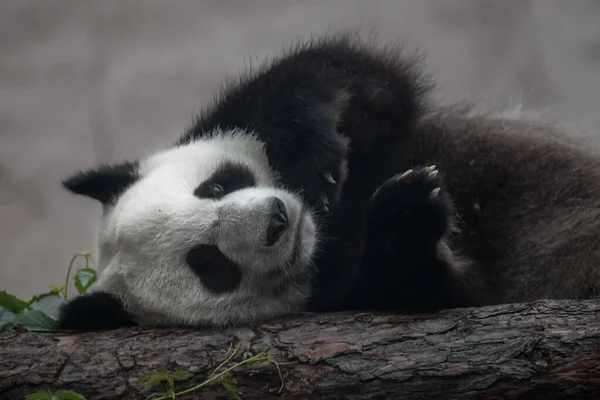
[(83, 82)]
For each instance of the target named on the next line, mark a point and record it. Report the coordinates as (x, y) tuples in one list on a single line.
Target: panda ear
[(94, 311), (103, 183)]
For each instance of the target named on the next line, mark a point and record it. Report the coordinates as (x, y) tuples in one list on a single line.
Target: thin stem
[(280, 375), (171, 386), (92, 262), (214, 378), (69, 273), (228, 357)]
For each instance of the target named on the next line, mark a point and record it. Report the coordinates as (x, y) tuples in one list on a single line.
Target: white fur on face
[(145, 237)]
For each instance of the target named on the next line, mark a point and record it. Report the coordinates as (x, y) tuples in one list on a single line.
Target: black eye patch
[(228, 178), (217, 273)]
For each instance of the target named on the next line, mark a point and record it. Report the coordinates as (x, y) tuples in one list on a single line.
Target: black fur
[(526, 202), (217, 272), (94, 311), (104, 183), (297, 106)]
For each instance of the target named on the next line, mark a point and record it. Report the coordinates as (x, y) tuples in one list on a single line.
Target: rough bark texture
[(547, 349)]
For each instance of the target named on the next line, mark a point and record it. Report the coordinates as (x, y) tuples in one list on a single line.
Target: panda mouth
[(296, 247)]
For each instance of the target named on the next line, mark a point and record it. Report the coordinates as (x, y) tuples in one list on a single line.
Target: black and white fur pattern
[(157, 240), (326, 180)]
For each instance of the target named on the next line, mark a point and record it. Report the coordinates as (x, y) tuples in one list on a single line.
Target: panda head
[(199, 234)]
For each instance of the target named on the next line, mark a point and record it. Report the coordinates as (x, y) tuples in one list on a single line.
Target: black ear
[(103, 183), (94, 311)]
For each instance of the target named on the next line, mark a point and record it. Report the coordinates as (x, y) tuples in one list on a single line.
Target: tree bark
[(541, 350)]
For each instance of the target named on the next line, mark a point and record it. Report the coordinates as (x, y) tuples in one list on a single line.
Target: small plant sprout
[(219, 374), (41, 312)]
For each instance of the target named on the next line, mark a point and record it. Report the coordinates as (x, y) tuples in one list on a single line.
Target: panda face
[(205, 235)]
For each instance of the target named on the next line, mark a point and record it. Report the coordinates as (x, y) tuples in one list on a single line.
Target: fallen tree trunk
[(546, 349)]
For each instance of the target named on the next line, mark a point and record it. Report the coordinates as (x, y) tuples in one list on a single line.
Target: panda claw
[(375, 192), (434, 193), (325, 202), (432, 174), (329, 178), (430, 169), (404, 175)]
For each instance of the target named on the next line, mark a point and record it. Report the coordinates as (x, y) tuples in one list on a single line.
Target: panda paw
[(330, 189), (412, 205), (321, 178)]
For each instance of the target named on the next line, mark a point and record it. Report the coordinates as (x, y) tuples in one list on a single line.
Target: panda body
[(327, 180)]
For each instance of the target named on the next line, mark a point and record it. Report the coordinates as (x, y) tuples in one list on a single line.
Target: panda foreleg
[(320, 173), (94, 311), (407, 263)]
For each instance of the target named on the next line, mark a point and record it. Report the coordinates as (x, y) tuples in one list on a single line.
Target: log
[(541, 350)]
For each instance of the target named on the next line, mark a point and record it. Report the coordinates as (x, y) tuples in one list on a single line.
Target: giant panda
[(327, 179)]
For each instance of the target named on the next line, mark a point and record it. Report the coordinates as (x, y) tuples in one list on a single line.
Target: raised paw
[(320, 178), (413, 203), (428, 174)]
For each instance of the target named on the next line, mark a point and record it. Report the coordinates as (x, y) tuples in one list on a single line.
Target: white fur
[(145, 236)]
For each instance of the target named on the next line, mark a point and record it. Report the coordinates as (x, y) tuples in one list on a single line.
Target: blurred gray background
[(83, 82)]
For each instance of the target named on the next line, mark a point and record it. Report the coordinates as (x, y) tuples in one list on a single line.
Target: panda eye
[(216, 190), (227, 179), (210, 191)]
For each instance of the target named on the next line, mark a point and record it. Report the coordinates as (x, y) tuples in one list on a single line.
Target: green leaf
[(60, 395), (68, 395), (179, 374), (34, 320), (58, 289), (11, 302), (39, 396), (84, 278), (6, 319), (229, 383), (150, 379), (48, 303)]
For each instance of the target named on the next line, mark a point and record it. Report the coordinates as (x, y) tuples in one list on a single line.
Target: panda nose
[(278, 221)]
